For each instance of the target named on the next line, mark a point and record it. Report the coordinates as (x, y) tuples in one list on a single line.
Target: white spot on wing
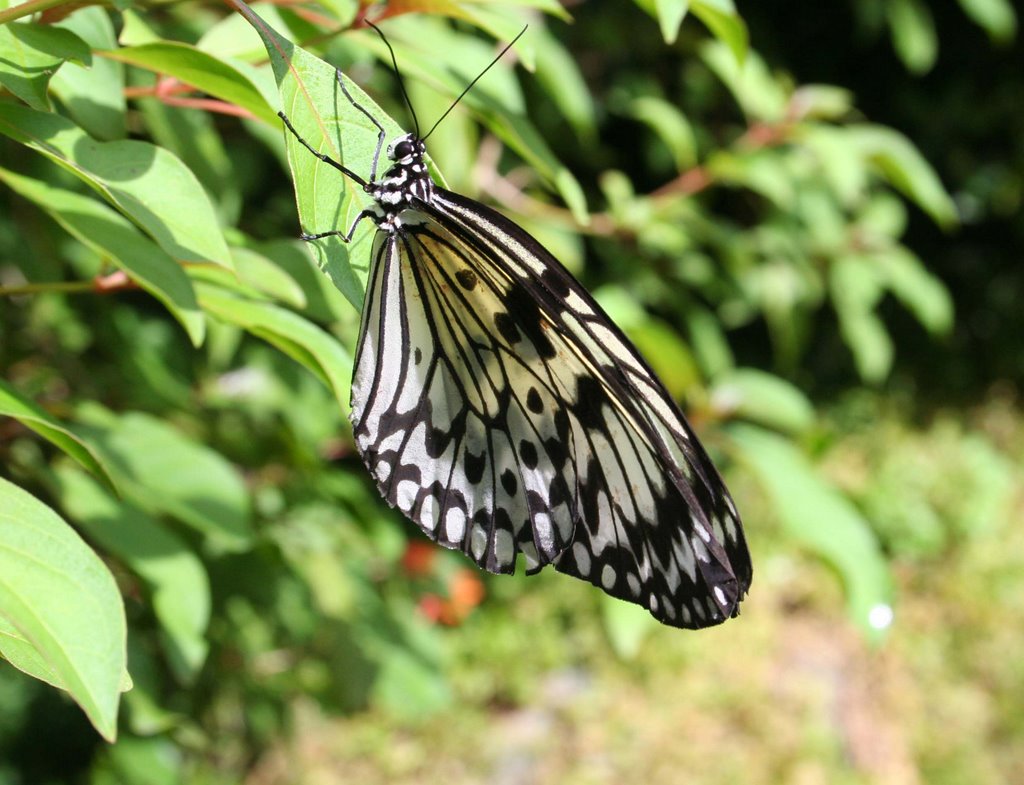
[(504, 551), (582, 557), (607, 576), (405, 495), (719, 595), (478, 541), (430, 511), (455, 524)]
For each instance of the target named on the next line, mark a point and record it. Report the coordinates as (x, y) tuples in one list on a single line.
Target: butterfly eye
[(402, 149)]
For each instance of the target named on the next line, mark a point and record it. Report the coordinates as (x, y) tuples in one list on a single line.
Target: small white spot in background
[(880, 617), (243, 383)]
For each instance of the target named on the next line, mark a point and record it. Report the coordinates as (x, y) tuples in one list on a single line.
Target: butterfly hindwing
[(440, 415)]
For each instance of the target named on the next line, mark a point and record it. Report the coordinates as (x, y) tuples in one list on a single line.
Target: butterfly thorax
[(404, 184)]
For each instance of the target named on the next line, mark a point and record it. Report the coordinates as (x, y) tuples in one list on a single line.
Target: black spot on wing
[(590, 397), (508, 482), (437, 442), (474, 465), (525, 310), (506, 327), (467, 279), (556, 283), (528, 452), (533, 401)]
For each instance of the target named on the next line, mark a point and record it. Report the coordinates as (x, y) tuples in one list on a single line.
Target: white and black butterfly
[(499, 408)]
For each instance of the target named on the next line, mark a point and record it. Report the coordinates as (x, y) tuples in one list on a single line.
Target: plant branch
[(101, 284)]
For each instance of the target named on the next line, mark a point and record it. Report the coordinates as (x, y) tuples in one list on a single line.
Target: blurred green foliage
[(753, 200)]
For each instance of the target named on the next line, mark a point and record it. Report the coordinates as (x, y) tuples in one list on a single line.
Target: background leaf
[(58, 595)]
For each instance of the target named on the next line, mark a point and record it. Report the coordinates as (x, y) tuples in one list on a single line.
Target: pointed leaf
[(63, 601), (823, 520), (115, 238), (164, 471), (13, 404), (147, 183), (174, 574)]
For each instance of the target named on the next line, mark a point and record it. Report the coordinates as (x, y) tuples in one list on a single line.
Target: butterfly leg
[(345, 236), (371, 118), (325, 158)]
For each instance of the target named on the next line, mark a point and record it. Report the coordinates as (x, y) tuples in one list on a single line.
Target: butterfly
[(499, 408)]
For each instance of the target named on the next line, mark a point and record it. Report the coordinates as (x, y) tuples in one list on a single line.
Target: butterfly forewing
[(655, 514)]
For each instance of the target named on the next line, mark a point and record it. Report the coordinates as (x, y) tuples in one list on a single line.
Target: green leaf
[(256, 270), (751, 84), (12, 404), (671, 126), (323, 301), (147, 183), (670, 15), (229, 81), (164, 472), (856, 288), (95, 95), (707, 339), (19, 651), (559, 75), (820, 518), (725, 24), (30, 54), (764, 171), (196, 139), (821, 102), (327, 120), (114, 238), (143, 761), (764, 398), (913, 34), (263, 275), (63, 601), (626, 624), (297, 337), (922, 293), (177, 580), (841, 163), (429, 49), (997, 17), (901, 163)]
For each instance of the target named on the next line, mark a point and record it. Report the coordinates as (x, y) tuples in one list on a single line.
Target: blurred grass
[(790, 692)]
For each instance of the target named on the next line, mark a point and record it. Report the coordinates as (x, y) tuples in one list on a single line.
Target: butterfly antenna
[(401, 84), (455, 103)]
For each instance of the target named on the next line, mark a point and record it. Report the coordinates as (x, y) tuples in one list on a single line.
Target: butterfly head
[(406, 149)]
